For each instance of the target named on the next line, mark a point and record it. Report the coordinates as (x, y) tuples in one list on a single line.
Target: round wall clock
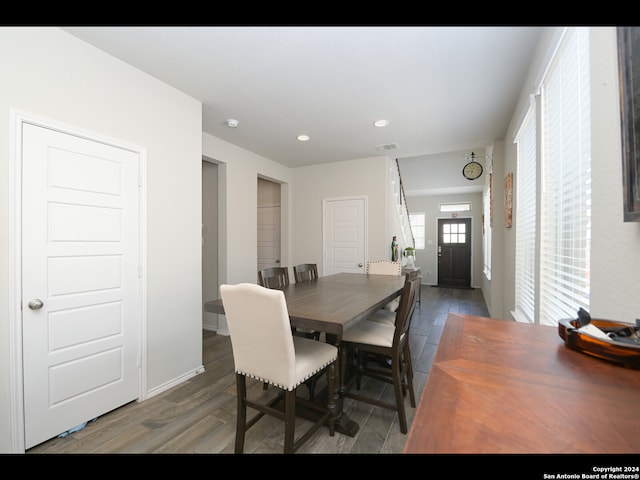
[(472, 170)]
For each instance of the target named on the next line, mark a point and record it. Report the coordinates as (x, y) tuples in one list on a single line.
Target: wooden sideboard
[(498, 386)]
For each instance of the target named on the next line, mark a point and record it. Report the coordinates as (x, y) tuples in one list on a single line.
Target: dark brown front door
[(454, 252)]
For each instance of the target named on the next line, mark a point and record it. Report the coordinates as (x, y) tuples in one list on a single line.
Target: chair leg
[(311, 385), (409, 367), (331, 401), (241, 415), (289, 420), (397, 387)]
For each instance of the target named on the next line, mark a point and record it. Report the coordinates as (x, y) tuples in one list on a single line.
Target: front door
[(81, 294), (344, 235), (454, 252)]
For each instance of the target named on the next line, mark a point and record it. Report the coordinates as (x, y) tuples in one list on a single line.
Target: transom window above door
[(455, 207)]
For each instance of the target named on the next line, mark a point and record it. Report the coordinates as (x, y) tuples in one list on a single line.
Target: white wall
[(615, 250), (239, 170), (441, 173), (502, 256), (312, 184), (53, 75), (239, 223)]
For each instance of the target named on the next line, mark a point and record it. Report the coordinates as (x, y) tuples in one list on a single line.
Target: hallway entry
[(269, 225)]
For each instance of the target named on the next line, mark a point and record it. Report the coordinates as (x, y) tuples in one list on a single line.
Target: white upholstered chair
[(386, 267), (278, 277), (264, 348)]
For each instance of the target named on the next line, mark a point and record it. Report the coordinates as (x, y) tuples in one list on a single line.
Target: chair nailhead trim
[(263, 380)]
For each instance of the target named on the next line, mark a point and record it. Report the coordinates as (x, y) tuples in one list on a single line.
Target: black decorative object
[(616, 342)]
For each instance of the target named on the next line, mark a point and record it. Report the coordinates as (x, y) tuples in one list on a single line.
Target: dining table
[(330, 304)]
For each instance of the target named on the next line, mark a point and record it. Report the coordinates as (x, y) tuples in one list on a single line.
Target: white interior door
[(344, 235), (81, 300), (268, 237)]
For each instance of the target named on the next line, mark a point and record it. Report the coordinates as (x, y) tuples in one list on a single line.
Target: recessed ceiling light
[(381, 123), (232, 122), (303, 138)]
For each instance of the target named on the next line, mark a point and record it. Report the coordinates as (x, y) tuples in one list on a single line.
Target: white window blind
[(566, 181), (525, 219)]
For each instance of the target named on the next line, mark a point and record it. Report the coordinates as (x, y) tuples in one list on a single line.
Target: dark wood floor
[(198, 416)]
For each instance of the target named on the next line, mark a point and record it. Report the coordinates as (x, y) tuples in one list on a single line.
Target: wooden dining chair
[(305, 272), (388, 317), (391, 341), (416, 274), (275, 356), (274, 277), (386, 267)]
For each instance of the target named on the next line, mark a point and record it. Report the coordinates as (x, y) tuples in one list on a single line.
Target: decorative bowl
[(620, 342)]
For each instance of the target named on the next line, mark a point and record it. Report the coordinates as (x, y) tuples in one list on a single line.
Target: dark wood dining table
[(503, 387), (330, 304)]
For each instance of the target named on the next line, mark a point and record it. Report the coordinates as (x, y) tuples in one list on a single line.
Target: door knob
[(360, 265), (35, 304)]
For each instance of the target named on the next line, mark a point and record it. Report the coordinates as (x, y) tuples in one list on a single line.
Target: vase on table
[(409, 254)]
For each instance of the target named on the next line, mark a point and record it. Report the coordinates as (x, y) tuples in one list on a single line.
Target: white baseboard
[(176, 381)]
